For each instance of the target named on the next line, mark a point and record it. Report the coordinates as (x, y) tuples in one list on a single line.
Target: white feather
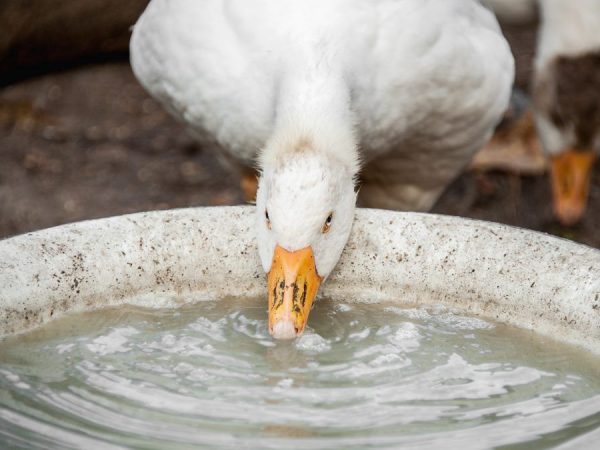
[(568, 28)]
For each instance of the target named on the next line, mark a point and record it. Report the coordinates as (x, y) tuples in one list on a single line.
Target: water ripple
[(362, 376)]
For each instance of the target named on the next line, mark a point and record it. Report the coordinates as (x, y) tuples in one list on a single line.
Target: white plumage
[(567, 29), (426, 80), (314, 90)]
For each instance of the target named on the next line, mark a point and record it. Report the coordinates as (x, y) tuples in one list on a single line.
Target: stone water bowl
[(169, 258), (523, 278)]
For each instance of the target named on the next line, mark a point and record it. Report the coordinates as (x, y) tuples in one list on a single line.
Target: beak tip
[(284, 329), (569, 217)]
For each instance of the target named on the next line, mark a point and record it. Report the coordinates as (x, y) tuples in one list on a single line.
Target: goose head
[(304, 212)]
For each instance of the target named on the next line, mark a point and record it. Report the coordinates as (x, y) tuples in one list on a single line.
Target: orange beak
[(571, 172), (293, 284)]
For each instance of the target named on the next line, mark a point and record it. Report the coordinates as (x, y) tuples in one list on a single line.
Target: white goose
[(567, 99), (315, 90)]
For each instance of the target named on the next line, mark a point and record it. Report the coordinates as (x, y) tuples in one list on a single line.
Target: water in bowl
[(362, 376)]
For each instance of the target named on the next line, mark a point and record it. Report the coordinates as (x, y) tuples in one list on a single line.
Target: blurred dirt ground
[(89, 143)]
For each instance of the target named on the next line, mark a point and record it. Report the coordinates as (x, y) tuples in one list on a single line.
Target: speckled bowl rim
[(165, 258)]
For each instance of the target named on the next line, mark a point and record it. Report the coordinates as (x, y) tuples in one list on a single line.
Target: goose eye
[(268, 220), (327, 224)]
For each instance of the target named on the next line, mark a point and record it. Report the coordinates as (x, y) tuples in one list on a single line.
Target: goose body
[(400, 92), (426, 81)]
